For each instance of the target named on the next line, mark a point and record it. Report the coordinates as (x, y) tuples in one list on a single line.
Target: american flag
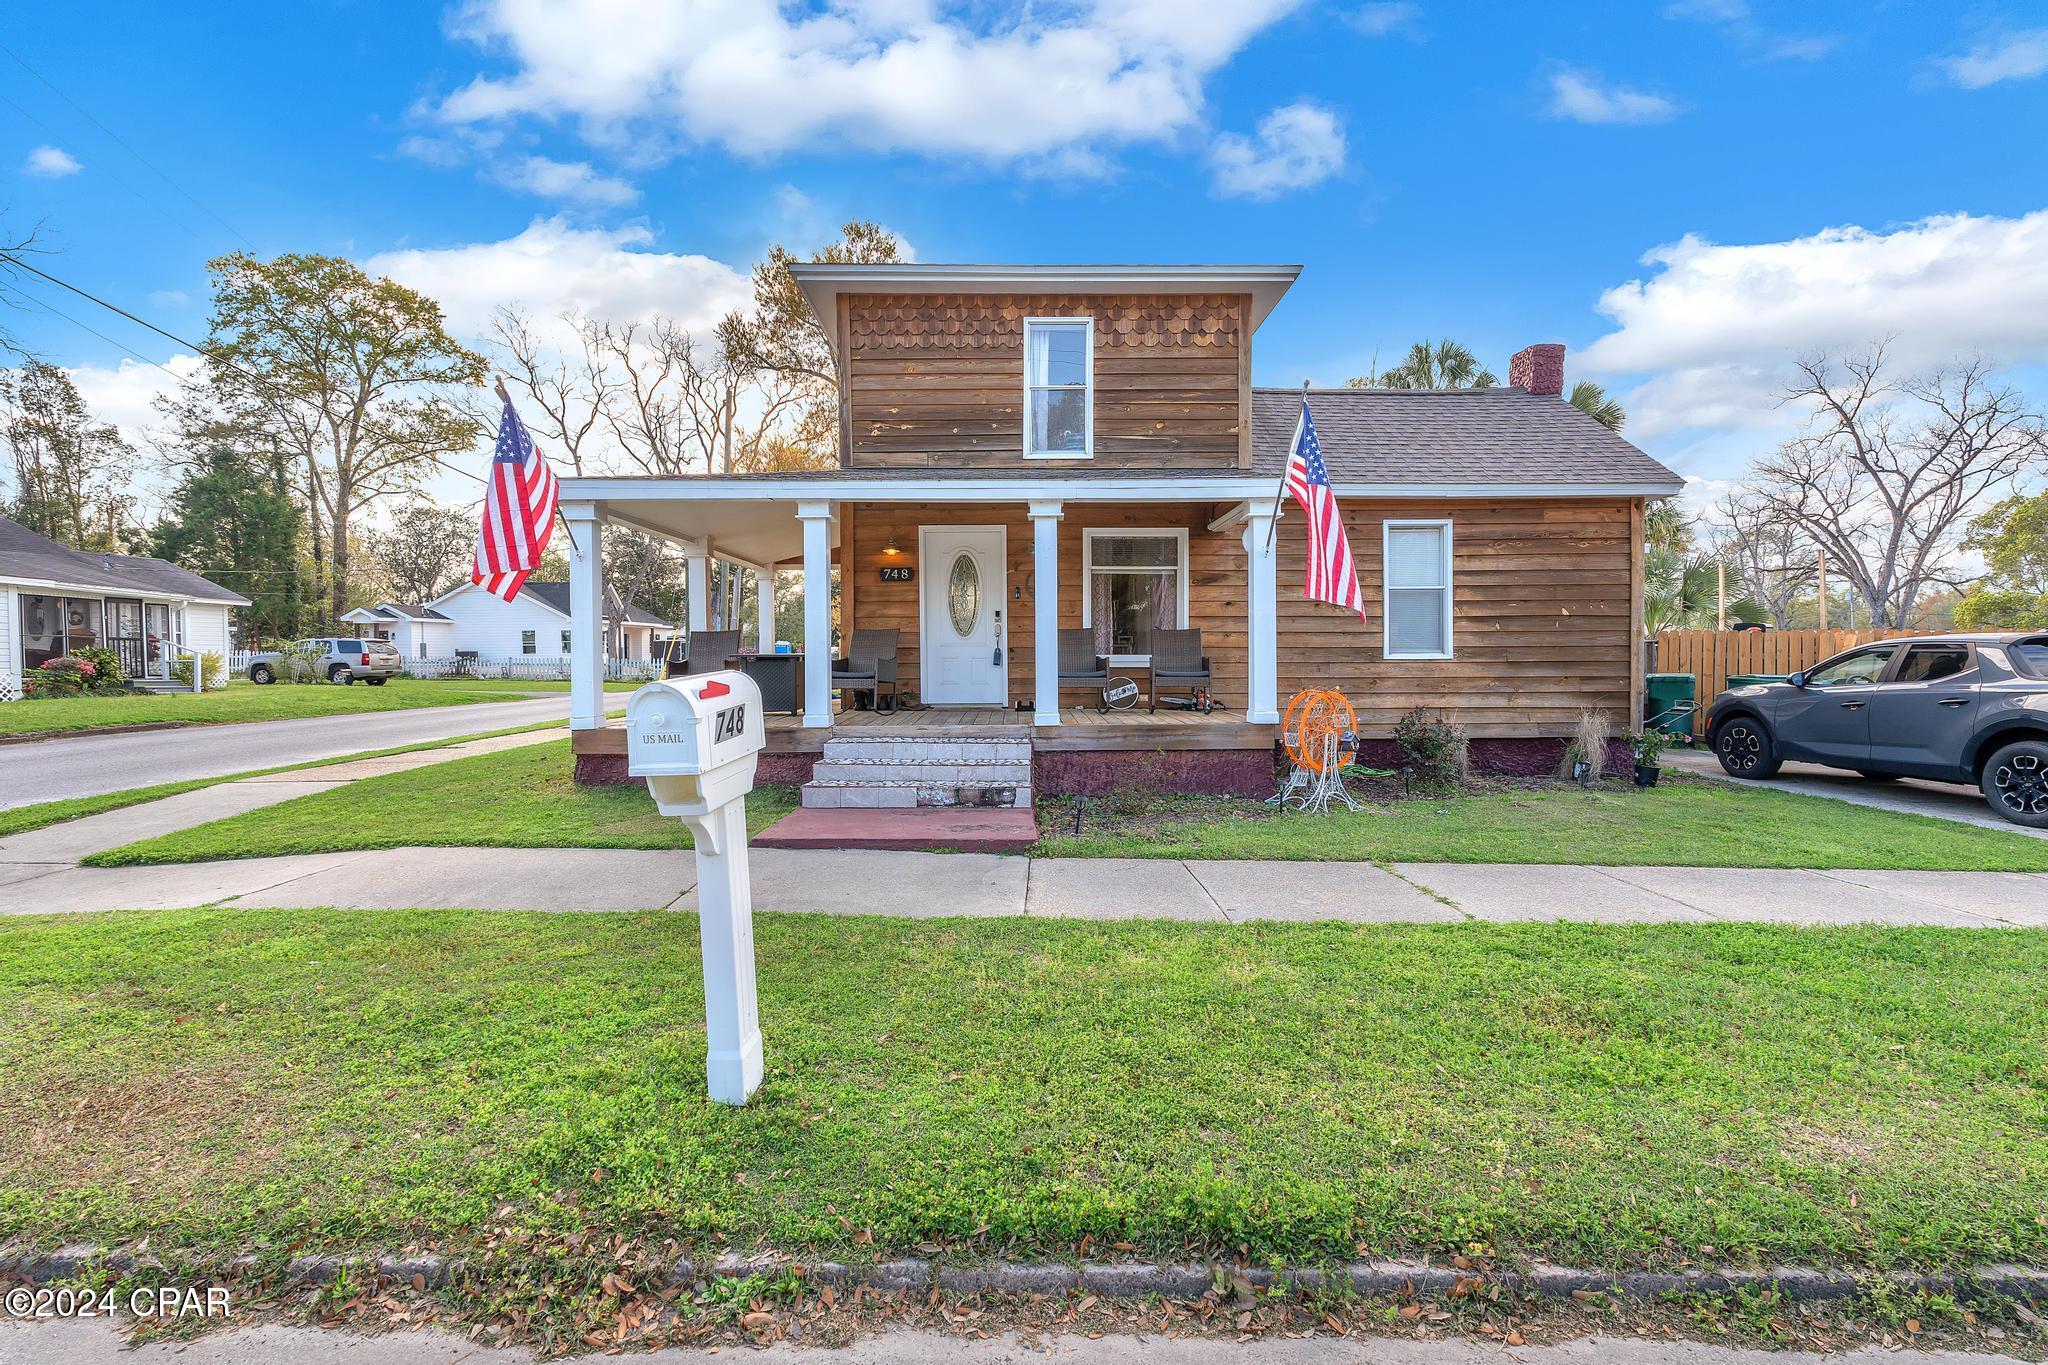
[(1332, 576), (519, 511)]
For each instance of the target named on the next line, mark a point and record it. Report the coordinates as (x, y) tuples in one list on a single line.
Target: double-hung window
[(1059, 396), (1416, 570), (565, 642), (527, 644)]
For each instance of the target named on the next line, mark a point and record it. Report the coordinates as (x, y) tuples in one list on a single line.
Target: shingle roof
[(26, 555), (413, 609), (556, 595), (1449, 436)]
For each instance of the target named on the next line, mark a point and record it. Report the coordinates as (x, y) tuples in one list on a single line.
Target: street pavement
[(1908, 795), (87, 765), (96, 1343)]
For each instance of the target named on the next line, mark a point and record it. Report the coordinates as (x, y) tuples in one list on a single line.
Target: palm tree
[(1446, 365), (1592, 400), (1680, 592)]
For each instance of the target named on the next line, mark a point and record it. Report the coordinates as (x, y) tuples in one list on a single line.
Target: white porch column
[(697, 587), (1262, 668), (586, 615), (1045, 605), (764, 608), (817, 668)]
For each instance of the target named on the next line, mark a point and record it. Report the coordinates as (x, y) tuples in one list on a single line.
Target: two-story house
[(1031, 449)]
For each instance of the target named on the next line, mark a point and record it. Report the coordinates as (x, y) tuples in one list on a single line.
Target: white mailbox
[(696, 740)]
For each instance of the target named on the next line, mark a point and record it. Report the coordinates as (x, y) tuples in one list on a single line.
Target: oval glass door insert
[(963, 594)]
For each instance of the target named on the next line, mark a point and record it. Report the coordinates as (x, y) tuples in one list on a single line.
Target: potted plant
[(1646, 745)]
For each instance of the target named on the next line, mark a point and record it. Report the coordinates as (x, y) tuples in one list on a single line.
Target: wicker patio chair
[(869, 666), (710, 650), (1177, 661), (1081, 666)]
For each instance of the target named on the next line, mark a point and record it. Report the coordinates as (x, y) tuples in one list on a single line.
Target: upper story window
[(1059, 393)]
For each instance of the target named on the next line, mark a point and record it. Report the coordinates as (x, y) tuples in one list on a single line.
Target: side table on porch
[(780, 678)]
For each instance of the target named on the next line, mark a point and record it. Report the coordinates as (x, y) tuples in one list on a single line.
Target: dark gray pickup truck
[(1954, 708)]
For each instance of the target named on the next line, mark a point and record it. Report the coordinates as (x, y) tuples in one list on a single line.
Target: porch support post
[(764, 608), (1045, 611), (1262, 670), (586, 615), (817, 667), (697, 587)]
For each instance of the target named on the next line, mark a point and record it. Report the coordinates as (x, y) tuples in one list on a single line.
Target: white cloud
[(51, 163), (126, 394), (169, 298), (554, 266), (572, 180), (758, 77), (1298, 145), (2018, 56), (1735, 20), (1387, 17), (1716, 326), (1579, 96)]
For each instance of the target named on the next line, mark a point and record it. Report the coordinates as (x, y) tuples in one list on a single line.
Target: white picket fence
[(532, 667)]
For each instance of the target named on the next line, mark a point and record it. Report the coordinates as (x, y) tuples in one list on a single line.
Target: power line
[(209, 352), (116, 176), (116, 137)]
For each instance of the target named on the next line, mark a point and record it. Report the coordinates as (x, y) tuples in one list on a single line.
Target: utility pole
[(1821, 559), (1721, 598)]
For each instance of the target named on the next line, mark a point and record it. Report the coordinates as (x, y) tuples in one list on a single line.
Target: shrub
[(1647, 746), (68, 676), (213, 668), (1434, 748), (107, 673), (1588, 745)]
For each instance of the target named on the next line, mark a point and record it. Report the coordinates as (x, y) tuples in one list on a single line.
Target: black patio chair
[(869, 666), (1081, 666), (710, 650), (1178, 661)]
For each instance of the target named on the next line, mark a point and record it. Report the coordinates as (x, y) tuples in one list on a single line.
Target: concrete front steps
[(916, 792), (896, 772)]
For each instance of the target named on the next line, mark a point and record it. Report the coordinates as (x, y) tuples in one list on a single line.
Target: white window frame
[(1087, 451), (1387, 529), (565, 641), (529, 642), (1177, 534)]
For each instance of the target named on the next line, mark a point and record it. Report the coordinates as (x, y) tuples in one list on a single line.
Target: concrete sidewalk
[(930, 885)]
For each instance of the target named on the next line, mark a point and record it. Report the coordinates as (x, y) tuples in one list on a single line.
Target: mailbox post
[(696, 740)]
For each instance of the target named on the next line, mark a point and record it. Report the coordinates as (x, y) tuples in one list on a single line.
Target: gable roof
[(556, 594), (24, 555), (1499, 435), (394, 611)]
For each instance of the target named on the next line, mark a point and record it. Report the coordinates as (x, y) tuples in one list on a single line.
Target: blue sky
[(1485, 171)]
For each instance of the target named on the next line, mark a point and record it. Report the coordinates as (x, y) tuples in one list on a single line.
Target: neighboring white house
[(537, 622), (414, 630), (54, 600)]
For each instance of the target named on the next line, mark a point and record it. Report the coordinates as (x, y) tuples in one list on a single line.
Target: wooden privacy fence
[(1712, 656)]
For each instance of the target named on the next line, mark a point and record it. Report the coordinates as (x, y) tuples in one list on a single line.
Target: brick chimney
[(1538, 369)]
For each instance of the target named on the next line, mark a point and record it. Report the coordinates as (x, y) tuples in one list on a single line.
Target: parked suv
[(1955, 708), (337, 660)]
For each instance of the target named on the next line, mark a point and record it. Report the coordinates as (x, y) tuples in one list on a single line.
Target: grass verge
[(1698, 823), (243, 702), (1649, 1095), (517, 798)]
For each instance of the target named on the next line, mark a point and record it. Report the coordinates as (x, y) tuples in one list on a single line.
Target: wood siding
[(938, 380), (1541, 626)]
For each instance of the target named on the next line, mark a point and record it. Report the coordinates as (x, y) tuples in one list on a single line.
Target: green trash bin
[(1669, 700), (1755, 679)]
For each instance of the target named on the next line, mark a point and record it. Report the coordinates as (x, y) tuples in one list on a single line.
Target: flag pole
[(498, 383), (1273, 523)]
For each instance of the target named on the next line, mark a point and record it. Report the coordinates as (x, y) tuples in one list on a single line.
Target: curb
[(141, 727), (1143, 1279)]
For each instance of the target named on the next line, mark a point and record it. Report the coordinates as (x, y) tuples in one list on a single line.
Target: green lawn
[(246, 702), (519, 798), (1655, 1094), (534, 804), (1698, 823)]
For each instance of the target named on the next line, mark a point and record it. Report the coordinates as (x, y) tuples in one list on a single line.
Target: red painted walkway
[(959, 829)]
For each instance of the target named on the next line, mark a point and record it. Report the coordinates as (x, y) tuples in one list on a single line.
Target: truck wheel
[(1746, 749), (261, 674), (340, 674), (2016, 783)]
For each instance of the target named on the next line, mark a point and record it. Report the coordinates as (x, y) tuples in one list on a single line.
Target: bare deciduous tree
[(571, 392), (1770, 555), (1888, 472)]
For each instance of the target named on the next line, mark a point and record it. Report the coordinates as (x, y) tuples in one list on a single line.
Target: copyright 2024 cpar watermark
[(163, 1303)]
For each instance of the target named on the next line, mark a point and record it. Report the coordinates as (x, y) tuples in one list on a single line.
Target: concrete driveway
[(87, 765), (1911, 796)]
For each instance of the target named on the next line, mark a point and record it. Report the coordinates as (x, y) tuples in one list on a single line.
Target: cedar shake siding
[(937, 380)]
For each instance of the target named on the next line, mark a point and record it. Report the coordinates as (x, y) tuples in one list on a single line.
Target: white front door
[(962, 646)]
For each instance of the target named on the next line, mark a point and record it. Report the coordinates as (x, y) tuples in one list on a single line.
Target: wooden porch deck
[(1082, 729)]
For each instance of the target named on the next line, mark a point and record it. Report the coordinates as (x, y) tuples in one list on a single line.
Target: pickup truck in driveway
[(1954, 708), (336, 660)]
